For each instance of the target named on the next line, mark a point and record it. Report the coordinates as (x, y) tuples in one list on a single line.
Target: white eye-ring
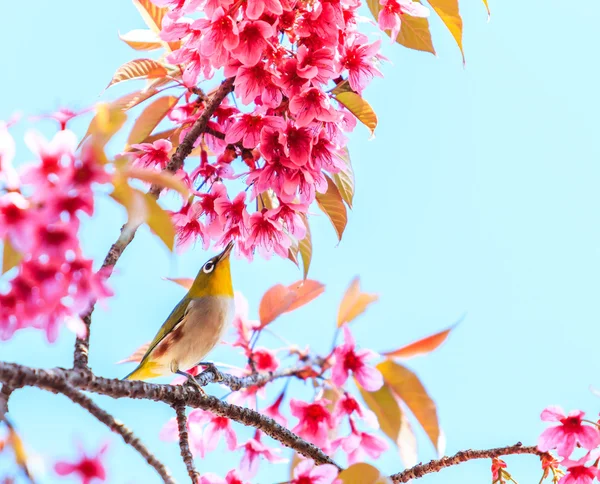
[(208, 267)]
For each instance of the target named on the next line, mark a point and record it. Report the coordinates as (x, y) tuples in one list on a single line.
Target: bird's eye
[(208, 267)]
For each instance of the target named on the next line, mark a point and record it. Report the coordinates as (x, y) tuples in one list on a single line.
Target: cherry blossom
[(307, 473), (254, 449), (577, 472), (571, 431), (88, 468), (315, 421), (358, 444)]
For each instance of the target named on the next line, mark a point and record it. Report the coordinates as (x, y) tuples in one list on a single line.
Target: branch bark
[(82, 345), (19, 375), (184, 442), (420, 470)]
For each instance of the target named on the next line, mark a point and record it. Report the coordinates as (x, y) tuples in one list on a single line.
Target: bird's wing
[(173, 320)]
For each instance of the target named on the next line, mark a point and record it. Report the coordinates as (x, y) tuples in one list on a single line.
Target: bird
[(194, 327)]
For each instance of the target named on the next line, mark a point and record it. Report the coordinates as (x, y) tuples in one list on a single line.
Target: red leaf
[(276, 301)]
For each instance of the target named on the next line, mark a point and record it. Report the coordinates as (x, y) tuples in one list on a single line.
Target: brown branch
[(107, 419), (184, 442), (463, 456), (5, 393), (14, 374), (82, 345)]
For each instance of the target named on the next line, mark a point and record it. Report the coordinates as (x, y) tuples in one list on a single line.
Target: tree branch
[(80, 356), (184, 443), (14, 374), (463, 456), (107, 419)]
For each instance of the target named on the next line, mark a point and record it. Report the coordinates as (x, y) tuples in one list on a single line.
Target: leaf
[(344, 179), (422, 346), (296, 459), (276, 301), (142, 39), (407, 443), (185, 282), (305, 246), (141, 208), (362, 473), (448, 12), (415, 34), (487, 7), (410, 390), (132, 99), (386, 408), (304, 292), (161, 178), (354, 302), (160, 222), (293, 251), (10, 257), (172, 134), (332, 205), (137, 355), (150, 117), (153, 17), (105, 124), (360, 108), (266, 199), (138, 69)]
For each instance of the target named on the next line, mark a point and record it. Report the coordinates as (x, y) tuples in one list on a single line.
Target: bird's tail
[(144, 371)]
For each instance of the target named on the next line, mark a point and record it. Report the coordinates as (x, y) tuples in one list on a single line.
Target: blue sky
[(479, 195)]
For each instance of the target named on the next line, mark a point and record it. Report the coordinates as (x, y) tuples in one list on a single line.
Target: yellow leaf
[(160, 222), (344, 180), (152, 114), (153, 17), (407, 443), (487, 7), (415, 34), (161, 178), (332, 396), (296, 459), (107, 121), (293, 251), (142, 39), (137, 356), (305, 247), (184, 282), (354, 303), (132, 99), (332, 205), (138, 69), (362, 473), (266, 199), (411, 391), (360, 108), (386, 408), (448, 12), (10, 257)]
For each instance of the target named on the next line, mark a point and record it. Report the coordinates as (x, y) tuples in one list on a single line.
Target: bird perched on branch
[(195, 326)]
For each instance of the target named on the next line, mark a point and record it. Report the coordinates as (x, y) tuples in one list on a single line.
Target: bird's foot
[(191, 381), (212, 368)]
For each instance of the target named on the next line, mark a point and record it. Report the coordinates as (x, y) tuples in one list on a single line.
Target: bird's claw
[(213, 369)]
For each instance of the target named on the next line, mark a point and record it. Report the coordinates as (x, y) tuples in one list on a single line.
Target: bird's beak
[(225, 254)]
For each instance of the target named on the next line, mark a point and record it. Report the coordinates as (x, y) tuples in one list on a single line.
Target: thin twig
[(82, 345), (15, 374), (184, 442), (463, 456), (107, 419)]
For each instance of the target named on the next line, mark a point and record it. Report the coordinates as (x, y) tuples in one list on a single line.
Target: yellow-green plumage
[(195, 325)]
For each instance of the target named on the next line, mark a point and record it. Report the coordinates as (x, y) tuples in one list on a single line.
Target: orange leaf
[(354, 303), (132, 99), (184, 282), (10, 257), (305, 291), (422, 346), (411, 391), (138, 69), (415, 34), (332, 205), (386, 408), (276, 301), (137, 355), (161, 178), (153, 17), (361, 473), (142, 39), (448, 12), (150, 117)]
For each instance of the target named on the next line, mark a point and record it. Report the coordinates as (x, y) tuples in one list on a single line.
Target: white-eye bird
[(195, 326)]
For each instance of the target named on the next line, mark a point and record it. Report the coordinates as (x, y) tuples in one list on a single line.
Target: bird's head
[(214, 277)]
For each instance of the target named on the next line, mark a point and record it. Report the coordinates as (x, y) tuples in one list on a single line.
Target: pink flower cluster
[(571, 432), (39, 217), (285, 56)]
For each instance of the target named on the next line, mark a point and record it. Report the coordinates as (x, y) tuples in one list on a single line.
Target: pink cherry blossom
[(266, 234), (358, 444), (8, 175), (242, 325), (390, 14), (152, 155), (232, 477), (254, 449), (497, 466), (255, 8), (88, 468), (53, 155), (358, 60), (577, 472), (253, 42), (188, 226), (307, 473), (569, 433), (206, 429), (264, 359), (347, 360), (347, 406), (315, 421), (273, 411), (310, 105)]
